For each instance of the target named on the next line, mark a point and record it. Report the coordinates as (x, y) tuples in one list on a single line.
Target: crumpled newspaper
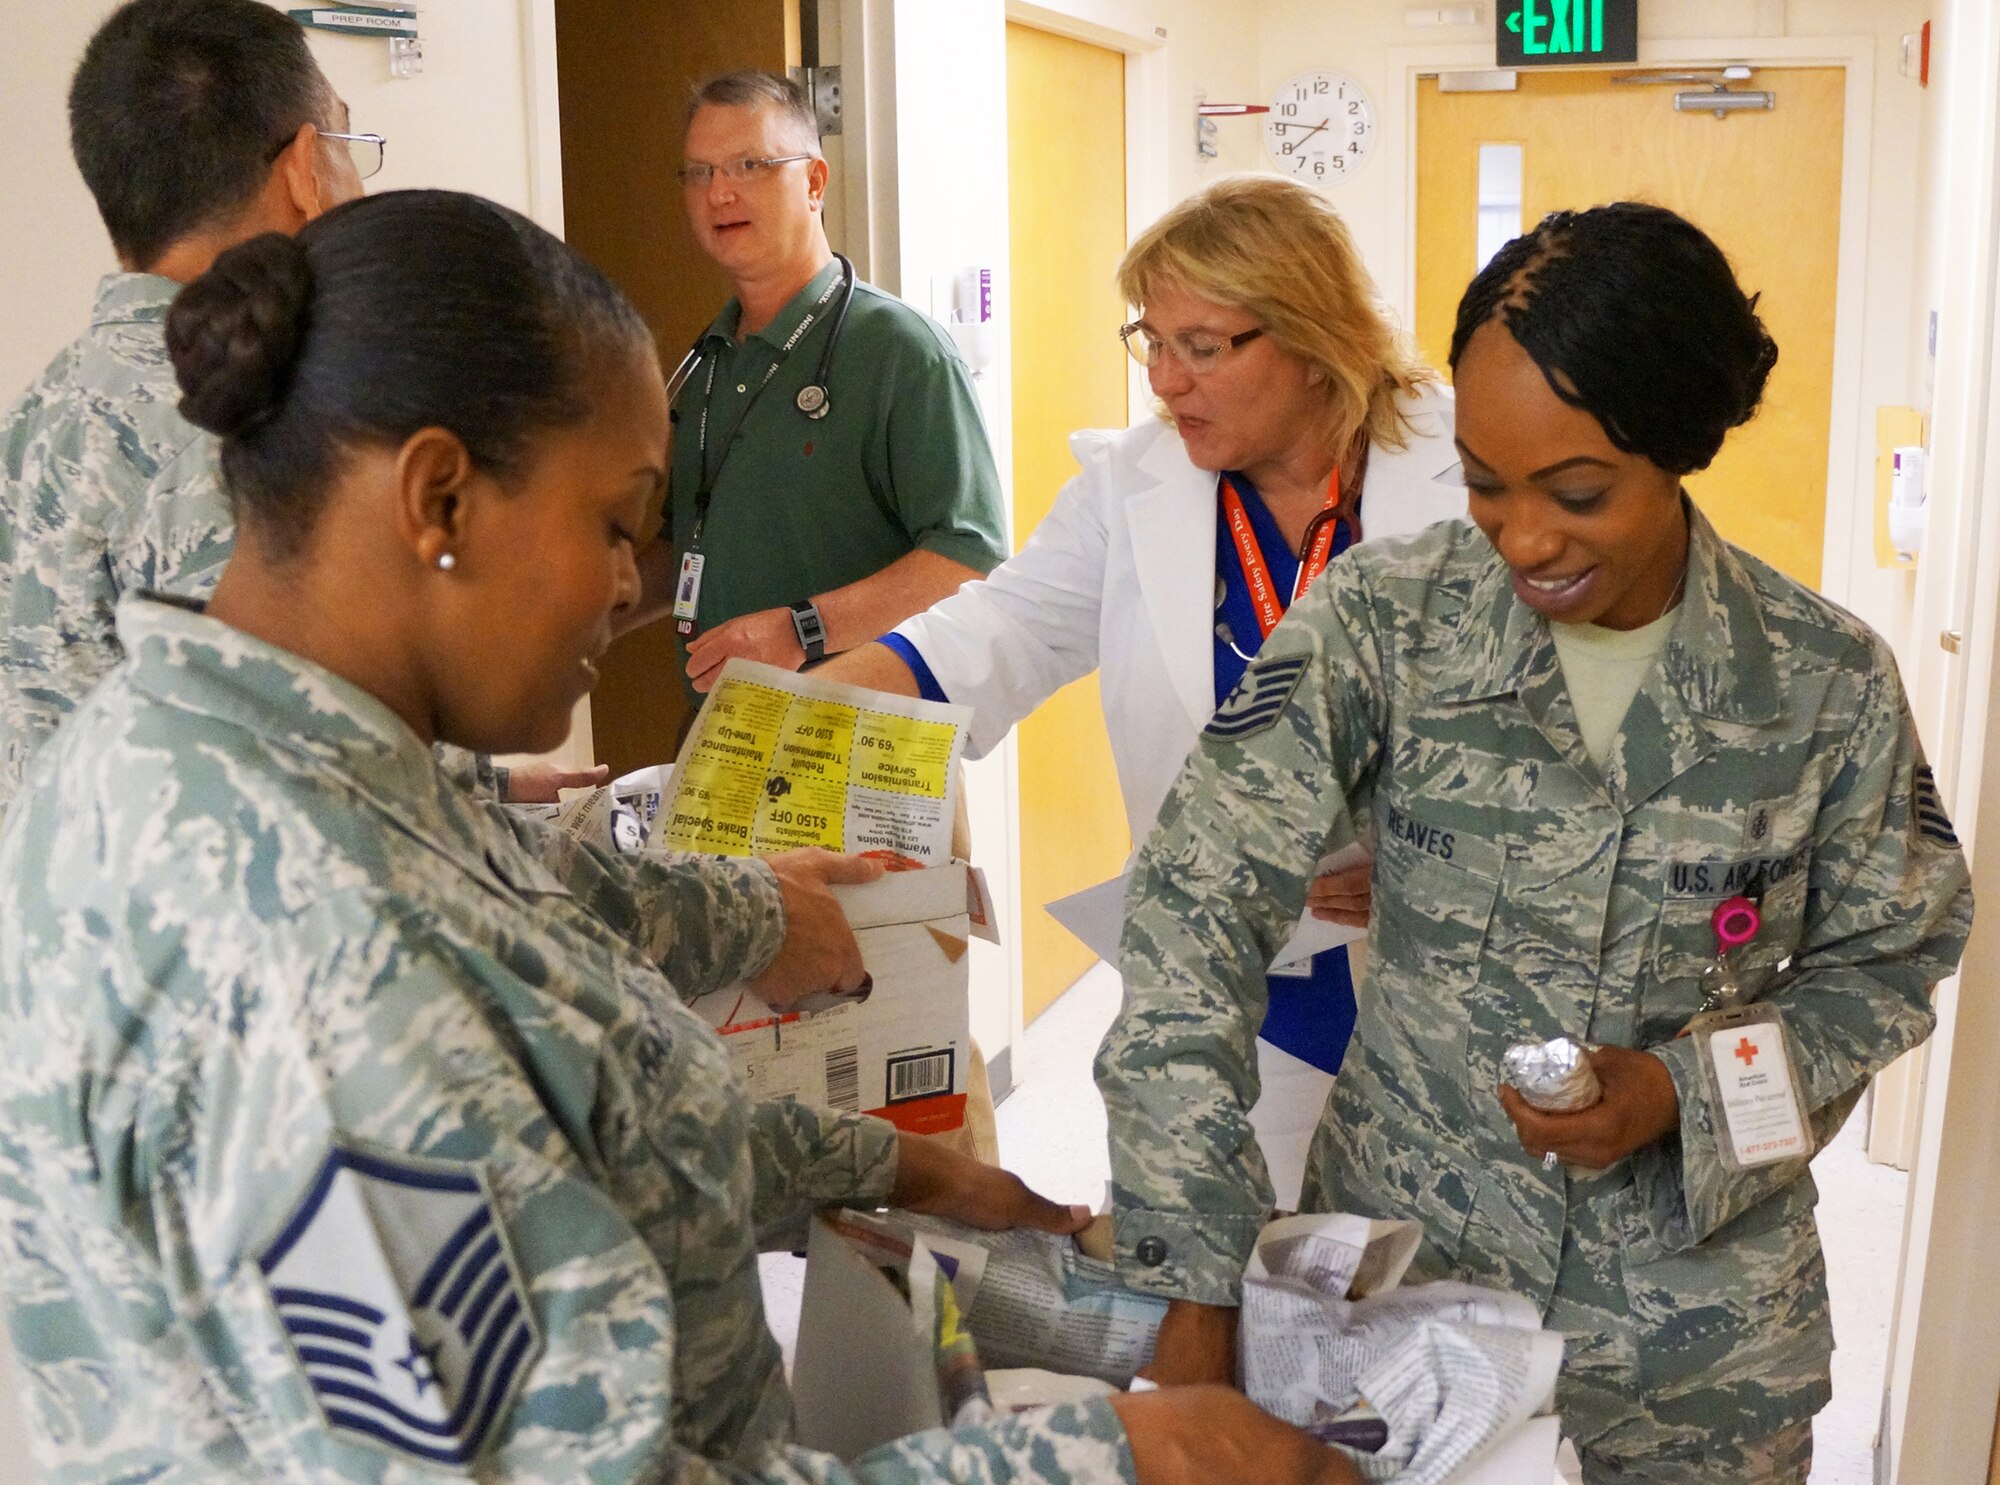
[(1555, 1076)]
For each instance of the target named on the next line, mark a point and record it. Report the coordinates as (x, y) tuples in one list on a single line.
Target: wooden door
[(1066, 206), (626, 71), (1766, 186)]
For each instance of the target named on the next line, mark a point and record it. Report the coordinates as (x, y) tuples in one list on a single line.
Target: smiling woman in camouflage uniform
[(341, 1137), (1571, 729)]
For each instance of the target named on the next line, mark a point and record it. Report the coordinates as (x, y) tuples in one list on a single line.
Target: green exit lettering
[(1565, 28)]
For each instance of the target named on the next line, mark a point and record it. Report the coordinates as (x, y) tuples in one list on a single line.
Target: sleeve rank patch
[(1931, 817), (412, 1326), (1258, 699)]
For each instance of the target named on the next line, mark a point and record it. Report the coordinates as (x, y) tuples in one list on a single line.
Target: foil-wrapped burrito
[(1555, 1077)]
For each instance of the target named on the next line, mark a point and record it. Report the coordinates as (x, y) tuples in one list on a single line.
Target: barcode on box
[(843, 1078), (921, 1076)]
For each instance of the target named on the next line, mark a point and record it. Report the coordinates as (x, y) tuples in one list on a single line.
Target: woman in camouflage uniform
[(1572, 729), (341, 1135)]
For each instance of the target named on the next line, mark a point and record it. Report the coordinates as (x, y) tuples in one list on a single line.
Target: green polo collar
[(787, 319)]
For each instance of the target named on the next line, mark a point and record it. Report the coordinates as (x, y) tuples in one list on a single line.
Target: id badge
[(1746, 1074), (687, 592)]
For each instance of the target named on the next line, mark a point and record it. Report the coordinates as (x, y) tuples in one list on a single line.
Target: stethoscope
[(813, 399), (1223, 631)]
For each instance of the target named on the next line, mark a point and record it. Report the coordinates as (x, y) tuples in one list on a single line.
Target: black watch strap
[(811, 630)]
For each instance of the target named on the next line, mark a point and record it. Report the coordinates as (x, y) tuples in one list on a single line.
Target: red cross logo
[(1747, 1050)]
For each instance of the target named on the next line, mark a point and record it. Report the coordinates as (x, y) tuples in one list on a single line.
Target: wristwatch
[(811, 630)]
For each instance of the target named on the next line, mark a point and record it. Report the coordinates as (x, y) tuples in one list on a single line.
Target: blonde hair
[(1276, 250)]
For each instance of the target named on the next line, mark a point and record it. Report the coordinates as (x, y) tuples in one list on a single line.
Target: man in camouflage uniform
[(1414, 701), (104, 488), (378, 1151)]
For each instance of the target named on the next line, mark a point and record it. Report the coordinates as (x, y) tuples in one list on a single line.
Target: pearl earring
[(446, 562)]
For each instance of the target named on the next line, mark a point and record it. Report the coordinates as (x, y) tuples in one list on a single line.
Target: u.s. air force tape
[(1258, 699)]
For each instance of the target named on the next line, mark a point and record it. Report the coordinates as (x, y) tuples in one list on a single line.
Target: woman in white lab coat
[(1294, 422)]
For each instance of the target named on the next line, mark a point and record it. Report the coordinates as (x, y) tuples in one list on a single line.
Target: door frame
[(1943, 1378), (1148, 148), (542, 89), (1848, 425)]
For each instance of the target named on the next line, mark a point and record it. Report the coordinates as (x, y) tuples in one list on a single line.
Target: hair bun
[(235, 332)]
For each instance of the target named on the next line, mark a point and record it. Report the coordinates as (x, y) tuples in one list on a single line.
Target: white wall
[(463, 124), (52, 247), (1944, 1363)]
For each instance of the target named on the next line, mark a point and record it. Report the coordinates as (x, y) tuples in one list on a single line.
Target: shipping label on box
[(897, 1049)]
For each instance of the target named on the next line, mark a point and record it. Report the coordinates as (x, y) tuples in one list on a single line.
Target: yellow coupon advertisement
[(777, 761), (903, 755)]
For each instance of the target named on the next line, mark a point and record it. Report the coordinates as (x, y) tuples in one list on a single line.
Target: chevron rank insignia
[(394, 1282), (1931, 817), (1258, 698)]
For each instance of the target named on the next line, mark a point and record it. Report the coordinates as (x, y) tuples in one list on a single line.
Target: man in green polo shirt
[(794, 536)]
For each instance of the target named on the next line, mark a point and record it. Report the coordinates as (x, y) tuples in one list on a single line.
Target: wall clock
[(1321, 127)]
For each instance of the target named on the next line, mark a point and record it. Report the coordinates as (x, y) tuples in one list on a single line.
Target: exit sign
[(1555, 33)]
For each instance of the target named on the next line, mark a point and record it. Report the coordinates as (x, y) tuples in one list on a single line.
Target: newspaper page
[(779, 760), (587, 815), (1415, 1390), (1334, 1253), (1033, 1299), (1415, 1383)]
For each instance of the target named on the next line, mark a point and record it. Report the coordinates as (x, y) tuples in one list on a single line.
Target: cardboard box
[(901, 1049), (863, 1374)]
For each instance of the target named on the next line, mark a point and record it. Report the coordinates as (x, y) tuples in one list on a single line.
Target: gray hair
[(750, 88)]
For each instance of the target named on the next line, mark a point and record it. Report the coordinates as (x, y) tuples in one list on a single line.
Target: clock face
[(1320, 128)]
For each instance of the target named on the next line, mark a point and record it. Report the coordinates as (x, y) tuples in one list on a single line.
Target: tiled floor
[(1052, 1135)]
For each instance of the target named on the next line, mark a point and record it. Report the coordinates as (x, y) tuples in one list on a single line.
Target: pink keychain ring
[(1736, 924)]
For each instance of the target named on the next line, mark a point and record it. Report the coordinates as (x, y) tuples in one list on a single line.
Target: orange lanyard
[(1257, 572)]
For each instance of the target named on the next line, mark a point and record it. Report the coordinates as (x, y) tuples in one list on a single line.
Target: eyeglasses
[(1198, 353), (694, 175), (366, 150)]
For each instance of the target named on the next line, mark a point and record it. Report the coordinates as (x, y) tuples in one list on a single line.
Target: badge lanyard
[(1744, 1064), (1319, 547), (687, 591)]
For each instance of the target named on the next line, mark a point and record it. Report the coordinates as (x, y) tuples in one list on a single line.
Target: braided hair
[(1634, 316)]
